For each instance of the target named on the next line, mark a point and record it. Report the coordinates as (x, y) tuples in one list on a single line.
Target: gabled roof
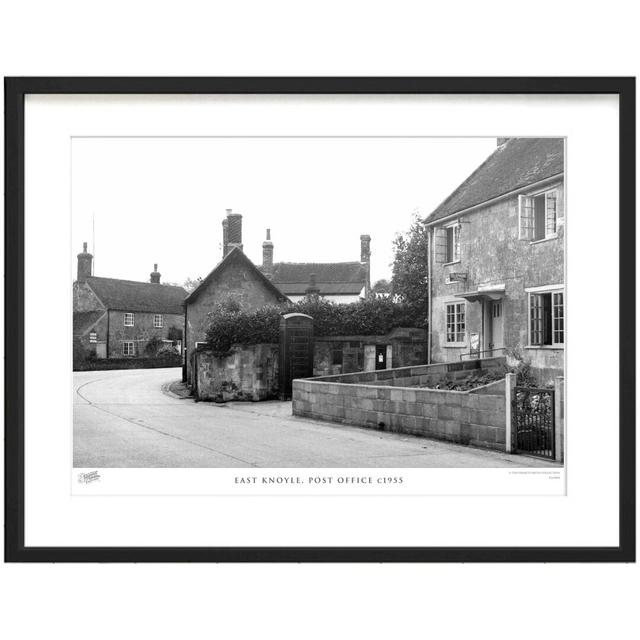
[(84, 320), (128, 295), (236, 255), (517, 163), (334, 278)]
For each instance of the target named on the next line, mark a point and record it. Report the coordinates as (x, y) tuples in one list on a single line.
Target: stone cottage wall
[(142, 331), (237, 283), (249, 373), (491, 253)]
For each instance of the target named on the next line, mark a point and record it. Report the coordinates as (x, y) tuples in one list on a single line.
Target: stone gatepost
[(510, 383)]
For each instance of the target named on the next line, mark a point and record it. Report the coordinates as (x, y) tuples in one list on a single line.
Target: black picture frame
[(15, 91)]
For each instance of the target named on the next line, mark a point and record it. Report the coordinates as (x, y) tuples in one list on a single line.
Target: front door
[(497, 326), (381, 356)]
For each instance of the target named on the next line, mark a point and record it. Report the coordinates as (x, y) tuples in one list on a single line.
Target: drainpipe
[(429, 240)]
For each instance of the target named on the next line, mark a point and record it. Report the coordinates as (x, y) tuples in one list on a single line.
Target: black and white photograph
[(318, 302)]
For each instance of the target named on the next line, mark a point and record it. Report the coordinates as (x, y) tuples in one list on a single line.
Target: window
[(158, 321), (546, 319), (128, 349), (456, 322), (538, 216), (93, 337), (336, 355), (128, 319), (453, 243), (447, 243)]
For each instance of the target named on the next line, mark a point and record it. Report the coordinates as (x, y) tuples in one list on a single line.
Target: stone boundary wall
[(476, 417), (249, 373)]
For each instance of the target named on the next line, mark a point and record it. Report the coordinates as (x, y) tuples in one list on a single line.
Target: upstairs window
[(93, 337), (538, 216), (546, 319), (128, 319), (158, 322), (447, 243), (456, 322)]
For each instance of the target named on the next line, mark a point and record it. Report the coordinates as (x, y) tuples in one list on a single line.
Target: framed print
[(320, 319)]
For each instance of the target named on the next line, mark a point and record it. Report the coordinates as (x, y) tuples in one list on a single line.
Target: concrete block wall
[(466, 417)]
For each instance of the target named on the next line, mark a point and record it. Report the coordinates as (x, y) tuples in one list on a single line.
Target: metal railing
[(533, 414), (472, 355)]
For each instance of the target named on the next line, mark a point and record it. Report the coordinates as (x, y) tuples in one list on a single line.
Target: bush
[(153, 346), (228, 325)]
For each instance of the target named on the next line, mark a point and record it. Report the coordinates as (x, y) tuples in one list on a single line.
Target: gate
[(534, 421), (296, 350)]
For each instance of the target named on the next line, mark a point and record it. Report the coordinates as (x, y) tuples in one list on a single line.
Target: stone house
[(117, 318), (340, 282), (237, 278), (234, 278), (497, 260)]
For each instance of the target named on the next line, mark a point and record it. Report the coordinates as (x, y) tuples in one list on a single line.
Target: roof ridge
[(174, 286)]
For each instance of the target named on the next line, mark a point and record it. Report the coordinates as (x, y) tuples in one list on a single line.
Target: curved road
[(126, 419)]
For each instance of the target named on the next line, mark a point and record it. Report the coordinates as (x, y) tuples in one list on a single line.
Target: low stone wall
[(406, 346), (476, 417), (249, 373)]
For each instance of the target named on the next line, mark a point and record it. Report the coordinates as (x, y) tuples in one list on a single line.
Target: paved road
[(126, 419)]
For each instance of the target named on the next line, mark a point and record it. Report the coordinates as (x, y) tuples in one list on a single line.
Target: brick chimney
[(312, 289), (267, 254), (365, 258), (155, 276), (232, 225), (225, 237), (84, 264)]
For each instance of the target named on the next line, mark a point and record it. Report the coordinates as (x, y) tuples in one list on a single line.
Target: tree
[(189, 284), (409, 282), (381, 288)]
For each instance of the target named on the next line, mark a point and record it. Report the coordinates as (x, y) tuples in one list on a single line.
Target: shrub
[(153, 346), (228, 325)]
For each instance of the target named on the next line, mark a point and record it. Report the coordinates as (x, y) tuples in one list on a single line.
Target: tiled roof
[(127, 295), (84, 320), (517, 163), (332, 278), (236, 254)]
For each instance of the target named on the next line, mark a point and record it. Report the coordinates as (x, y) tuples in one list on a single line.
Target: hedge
[(229, 325), (106, 364)]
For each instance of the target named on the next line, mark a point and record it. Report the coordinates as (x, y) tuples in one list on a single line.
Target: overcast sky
[(163, 199)]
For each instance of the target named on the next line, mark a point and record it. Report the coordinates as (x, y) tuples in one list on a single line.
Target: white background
[(331, 39), (54, 517)]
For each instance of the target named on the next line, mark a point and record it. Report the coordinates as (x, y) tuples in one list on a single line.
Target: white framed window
[(546, 318), (158, 321), (128, 349), (93, 337), (455, 322), (447, 243), (538, 216), (129, 319)]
